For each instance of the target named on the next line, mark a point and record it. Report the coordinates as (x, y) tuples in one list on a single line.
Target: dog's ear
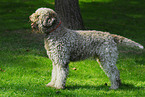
[(48, 21)]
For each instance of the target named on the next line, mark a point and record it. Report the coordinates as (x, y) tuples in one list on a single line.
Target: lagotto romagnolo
[(64, 45)]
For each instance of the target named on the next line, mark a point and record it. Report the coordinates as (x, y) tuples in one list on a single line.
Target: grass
[(25, 68)]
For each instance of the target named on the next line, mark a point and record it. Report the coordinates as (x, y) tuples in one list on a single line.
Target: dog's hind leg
[(113, 73), (108, 57)]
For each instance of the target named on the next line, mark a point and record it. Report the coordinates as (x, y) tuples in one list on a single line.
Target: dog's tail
[(127, 42)]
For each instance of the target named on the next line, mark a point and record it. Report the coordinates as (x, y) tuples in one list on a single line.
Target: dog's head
[(43, 19)]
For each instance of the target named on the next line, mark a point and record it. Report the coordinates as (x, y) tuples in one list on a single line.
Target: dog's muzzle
[(34, 26)]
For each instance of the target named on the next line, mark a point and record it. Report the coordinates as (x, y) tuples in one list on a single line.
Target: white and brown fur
[(64, 45)]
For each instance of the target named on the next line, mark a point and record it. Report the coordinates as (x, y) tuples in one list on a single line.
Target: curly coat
[(64, 45)]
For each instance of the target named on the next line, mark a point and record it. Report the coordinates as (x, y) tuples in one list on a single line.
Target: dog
[(64, 45)]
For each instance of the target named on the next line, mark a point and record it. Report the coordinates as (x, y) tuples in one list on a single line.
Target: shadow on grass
[(21, 40), (21, 47), (42, 90), (87, 87), (123, 17), (104, 87), (129, 87), (15, 14)]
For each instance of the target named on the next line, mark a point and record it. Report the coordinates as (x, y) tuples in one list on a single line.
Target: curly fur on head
[(43, 19)]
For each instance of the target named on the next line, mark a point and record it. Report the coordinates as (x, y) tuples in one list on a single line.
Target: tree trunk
[(69, 13)]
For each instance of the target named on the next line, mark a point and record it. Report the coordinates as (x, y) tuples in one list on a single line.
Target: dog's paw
[(59, 87), (114, 87), (51, 84)]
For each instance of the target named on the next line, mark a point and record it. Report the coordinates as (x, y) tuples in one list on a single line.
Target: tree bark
[(69, 13)]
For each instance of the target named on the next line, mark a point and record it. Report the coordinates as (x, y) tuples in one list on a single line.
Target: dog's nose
[(30, 17)]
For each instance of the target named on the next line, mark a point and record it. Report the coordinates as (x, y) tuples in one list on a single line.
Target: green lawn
[(25, 68)]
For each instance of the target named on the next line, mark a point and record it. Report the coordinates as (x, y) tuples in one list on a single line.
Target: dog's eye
[(36, 16)]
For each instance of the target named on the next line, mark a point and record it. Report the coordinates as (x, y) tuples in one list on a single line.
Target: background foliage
[(25, 68)]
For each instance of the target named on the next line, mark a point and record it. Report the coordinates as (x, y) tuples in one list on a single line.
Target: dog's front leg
[(62, 72), (54, 75)]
